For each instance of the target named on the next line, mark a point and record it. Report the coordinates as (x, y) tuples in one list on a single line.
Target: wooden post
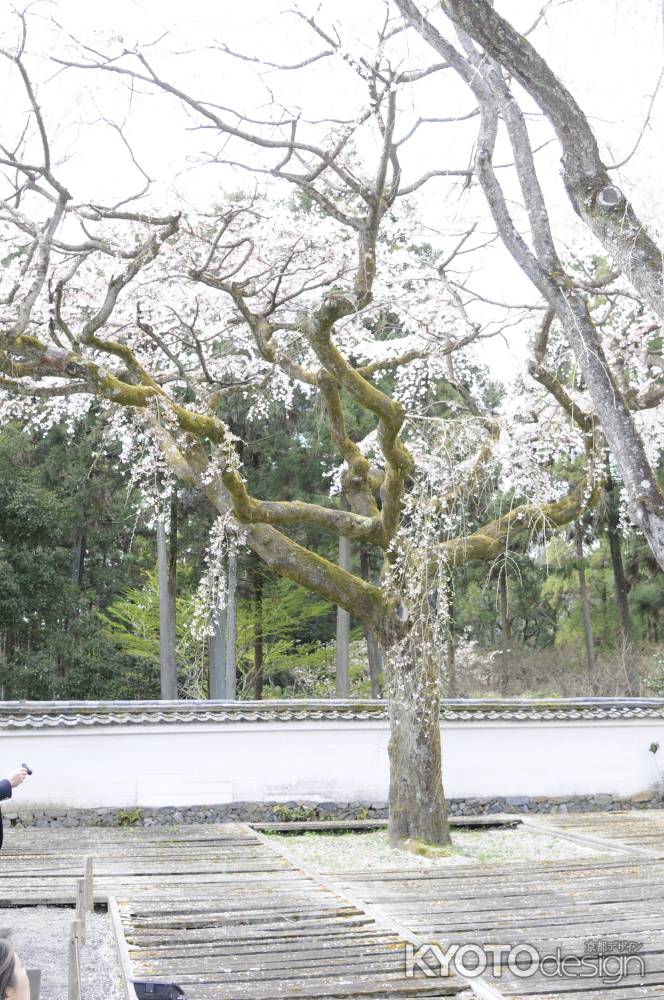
[(89, 894), (75, 961), (81, 906)]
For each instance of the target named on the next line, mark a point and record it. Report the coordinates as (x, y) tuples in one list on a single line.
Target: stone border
[(67, 715), (298, 810)]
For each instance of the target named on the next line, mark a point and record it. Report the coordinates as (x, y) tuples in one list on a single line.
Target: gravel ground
[(363, 851), (40, 935)]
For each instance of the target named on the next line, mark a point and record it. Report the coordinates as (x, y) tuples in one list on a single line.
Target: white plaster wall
[(199, 764)]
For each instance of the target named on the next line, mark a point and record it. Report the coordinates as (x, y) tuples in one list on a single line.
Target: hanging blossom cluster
[(435, 510), (149, 480), (417, 571), (212, 593), (40, 416), (536, 436)]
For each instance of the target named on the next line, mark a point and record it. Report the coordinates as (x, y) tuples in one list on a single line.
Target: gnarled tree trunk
[(418, 809)]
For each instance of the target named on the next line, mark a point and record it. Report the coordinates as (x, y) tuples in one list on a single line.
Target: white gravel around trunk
[(364, 851), (40, 935)]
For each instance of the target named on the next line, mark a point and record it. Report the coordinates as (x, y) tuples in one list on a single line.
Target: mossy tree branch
[(189, 462), (493, 539)]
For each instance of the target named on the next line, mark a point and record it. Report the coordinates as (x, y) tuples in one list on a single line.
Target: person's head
[(14, 983)]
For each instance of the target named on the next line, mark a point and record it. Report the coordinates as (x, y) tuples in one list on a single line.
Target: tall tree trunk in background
[(231, 626), (585, 607), (166, 567), (222, 655), (626, 633), (3, 664), (217, 669), (373, 649), (258, 633), (342, 659), (78, 555), (450, 641), (506, 630)]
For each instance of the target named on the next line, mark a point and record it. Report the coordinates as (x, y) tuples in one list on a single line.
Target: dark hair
[(7, 967)]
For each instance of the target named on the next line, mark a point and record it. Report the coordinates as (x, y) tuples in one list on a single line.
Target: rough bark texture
[(418, 809)]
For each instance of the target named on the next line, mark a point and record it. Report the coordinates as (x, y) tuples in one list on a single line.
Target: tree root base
[(424, 849)]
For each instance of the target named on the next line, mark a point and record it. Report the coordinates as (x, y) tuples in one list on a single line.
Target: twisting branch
[(476, 20), (600, 204), (491, 540)]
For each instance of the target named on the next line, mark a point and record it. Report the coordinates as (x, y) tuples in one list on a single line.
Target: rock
[(645, 796)]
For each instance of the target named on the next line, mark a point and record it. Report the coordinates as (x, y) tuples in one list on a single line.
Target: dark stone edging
[(270, 812)]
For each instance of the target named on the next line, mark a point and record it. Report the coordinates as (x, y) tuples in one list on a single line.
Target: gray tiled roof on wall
[(73, 714)]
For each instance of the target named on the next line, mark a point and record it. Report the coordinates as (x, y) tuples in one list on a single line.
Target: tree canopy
[(332, 267)]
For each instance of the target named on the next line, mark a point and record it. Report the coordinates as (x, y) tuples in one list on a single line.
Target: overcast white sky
[(610, 52)]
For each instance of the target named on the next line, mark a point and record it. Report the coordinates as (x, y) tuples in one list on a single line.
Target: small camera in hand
[(157, 991)]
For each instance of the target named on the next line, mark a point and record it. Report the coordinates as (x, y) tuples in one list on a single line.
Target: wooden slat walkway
[(220, 910), (640, 829), (549, 905), (216, 910)]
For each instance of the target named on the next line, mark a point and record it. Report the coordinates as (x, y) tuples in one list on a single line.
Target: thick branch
[(600, 204), (490, 541), (248, 510), (390, 412), (277, 550)]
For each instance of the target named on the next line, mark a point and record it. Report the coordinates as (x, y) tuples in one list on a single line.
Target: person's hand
[(17, 777)]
